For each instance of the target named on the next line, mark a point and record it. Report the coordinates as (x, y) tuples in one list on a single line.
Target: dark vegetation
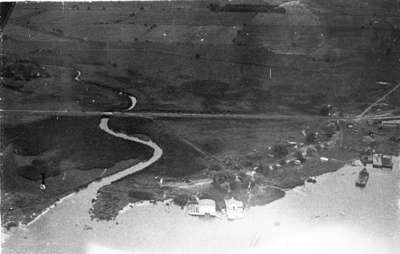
[(29, 85), (267, 8), (179, 159), (69, 152), (22, 70), (140, 195), (75, 137), (15, 74), (279, 151), (37, 169)]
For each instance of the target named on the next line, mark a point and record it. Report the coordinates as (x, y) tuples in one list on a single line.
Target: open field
[(194, 62)]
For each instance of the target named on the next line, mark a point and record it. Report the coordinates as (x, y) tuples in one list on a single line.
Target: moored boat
[(363, 177)]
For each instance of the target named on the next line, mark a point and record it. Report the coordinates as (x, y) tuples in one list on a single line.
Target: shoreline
[(291, 216), (311, 211)]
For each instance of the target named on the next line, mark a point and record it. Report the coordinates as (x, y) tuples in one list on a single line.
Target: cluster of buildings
[(378, 160), (234, 209)]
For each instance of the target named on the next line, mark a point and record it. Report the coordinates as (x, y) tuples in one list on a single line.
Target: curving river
[(77, 205), (133, 102)]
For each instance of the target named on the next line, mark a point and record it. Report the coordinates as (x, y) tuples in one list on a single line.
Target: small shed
[(366, 159)]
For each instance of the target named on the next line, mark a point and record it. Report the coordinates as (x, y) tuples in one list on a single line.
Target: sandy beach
[(330, 216)]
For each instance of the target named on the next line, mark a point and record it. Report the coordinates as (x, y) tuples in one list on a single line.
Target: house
[(204, 207), (376, 160), (234, 209), (391, 123)]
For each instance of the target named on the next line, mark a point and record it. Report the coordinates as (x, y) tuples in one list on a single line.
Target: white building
[(234, 209), (204, 207), (391, 123)]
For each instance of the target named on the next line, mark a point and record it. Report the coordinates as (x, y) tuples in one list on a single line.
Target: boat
[(363, 177)]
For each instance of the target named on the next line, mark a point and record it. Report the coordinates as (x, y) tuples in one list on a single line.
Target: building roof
[(232, 203), (207, 202), (391, 122)]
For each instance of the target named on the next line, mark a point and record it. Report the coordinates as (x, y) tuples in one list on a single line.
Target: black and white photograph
[(200, 126)]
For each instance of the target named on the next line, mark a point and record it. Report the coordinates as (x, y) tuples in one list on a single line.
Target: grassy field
[(183, 57)]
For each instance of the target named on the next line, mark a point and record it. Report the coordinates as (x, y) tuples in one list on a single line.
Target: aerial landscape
[(200, 126)]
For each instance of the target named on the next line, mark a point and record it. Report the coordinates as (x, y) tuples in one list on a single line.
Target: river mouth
[(85, 196), (66, 151)]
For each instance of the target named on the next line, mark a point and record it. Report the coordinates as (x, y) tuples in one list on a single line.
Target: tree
[(279, 151), (311, 137), (330, 129), (299, 156), (215, 167), (325, 110)]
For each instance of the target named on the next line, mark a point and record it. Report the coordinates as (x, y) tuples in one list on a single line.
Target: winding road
[(362, 114)]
